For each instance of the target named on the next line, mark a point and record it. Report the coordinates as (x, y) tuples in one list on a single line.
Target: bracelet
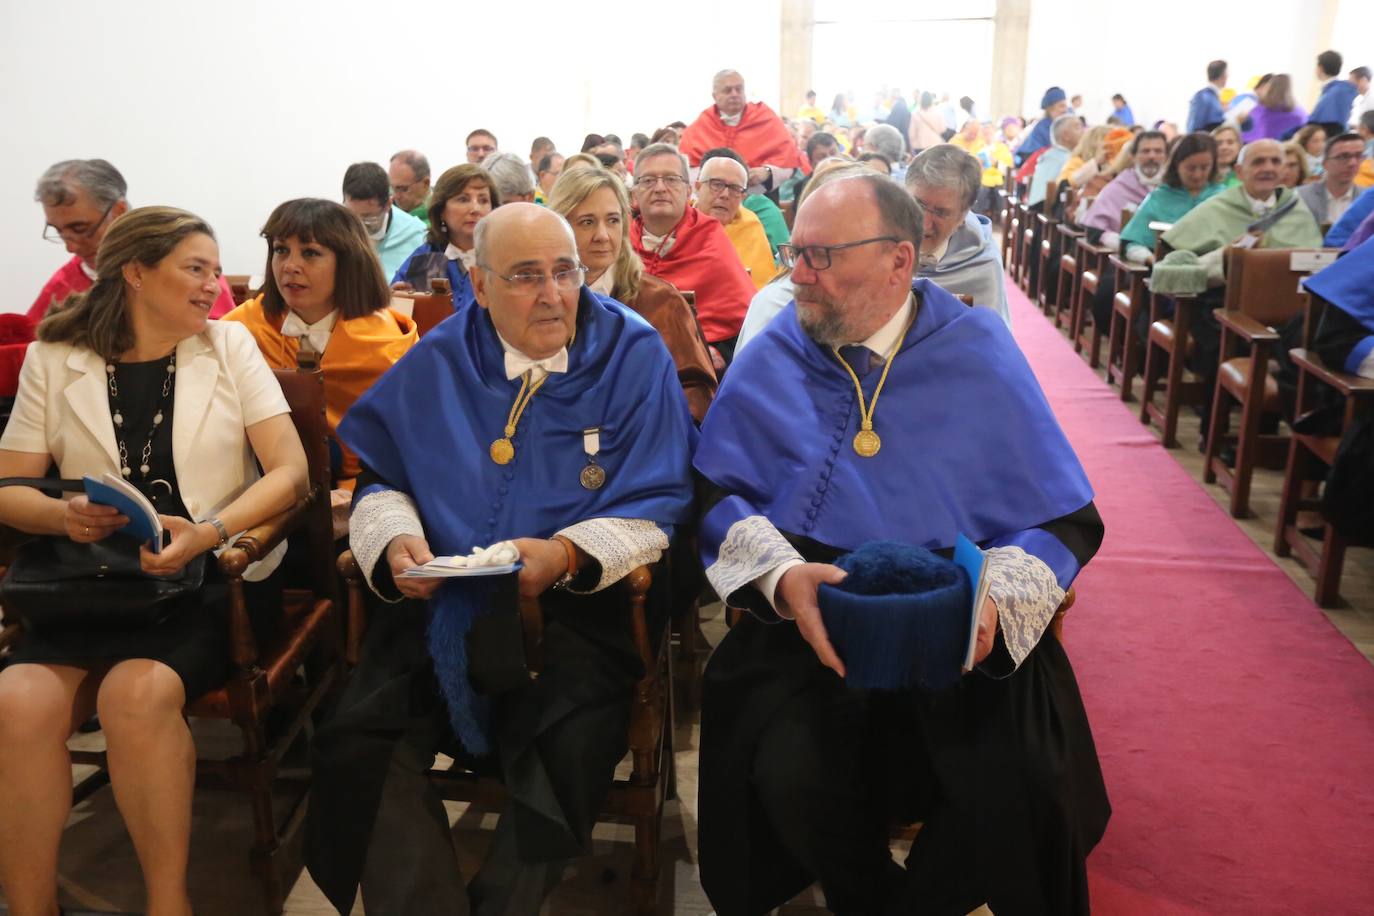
[(571, 572), (220, 530)]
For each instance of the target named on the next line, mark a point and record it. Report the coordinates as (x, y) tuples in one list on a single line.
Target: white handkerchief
[(503, 553)]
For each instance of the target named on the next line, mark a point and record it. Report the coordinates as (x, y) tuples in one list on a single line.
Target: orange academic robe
[(359, 351)]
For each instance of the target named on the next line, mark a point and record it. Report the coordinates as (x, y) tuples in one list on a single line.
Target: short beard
[(822, 319)]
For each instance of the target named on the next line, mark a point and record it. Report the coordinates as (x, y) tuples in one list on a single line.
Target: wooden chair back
[(239, 288), (428, 311), (303, 389), (1261, 283)]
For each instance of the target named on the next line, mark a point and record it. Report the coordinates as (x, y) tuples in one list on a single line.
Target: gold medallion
[(502, 451), (867, 443), (592, 477)]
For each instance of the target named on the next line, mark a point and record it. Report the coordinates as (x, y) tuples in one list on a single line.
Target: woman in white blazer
[(132, 378)]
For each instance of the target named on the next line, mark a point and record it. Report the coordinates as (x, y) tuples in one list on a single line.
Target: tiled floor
[(99, 871)]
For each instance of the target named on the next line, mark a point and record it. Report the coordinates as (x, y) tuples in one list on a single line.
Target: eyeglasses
[(529, 284), (404, 188), (819, 257), (651, 181), (481, 148), (720, 187), (1346, 157), (375, 222), (76, 233), (936, 212)]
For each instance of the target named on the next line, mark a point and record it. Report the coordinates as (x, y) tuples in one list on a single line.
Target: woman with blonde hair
[(132, 379), (1228, 151), (1294, 166), (596, 205)]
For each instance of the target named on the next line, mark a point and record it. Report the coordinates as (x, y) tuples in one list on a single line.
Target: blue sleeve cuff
[(1357, 355)]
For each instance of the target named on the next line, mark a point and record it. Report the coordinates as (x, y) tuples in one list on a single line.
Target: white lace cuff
[(619, 544), (752, 548), (1026, 593), (376, 520)]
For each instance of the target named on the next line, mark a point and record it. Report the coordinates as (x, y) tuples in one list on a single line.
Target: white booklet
[(499, 559)]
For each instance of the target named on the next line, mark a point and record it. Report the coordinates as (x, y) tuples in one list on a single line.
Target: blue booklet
[(975, 563), (144, 525)]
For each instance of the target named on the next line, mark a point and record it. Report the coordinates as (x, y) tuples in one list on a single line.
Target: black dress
[(193, 640)]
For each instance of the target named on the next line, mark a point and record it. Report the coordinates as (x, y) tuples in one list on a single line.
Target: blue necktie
[(860, 359)]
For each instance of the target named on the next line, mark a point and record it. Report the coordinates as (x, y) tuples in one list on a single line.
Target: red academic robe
[(70, 278), (703, 261), (760, 137)]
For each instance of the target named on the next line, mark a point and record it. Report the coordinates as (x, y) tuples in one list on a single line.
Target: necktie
[(860, 359)]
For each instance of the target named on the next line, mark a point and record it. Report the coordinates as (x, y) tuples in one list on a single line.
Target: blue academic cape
[(1125, 115), (1204, 109), (969, 443), (425, 428), (457, 276), (1335, 103), (1038, 138), (1348, 285), (1350, 220)]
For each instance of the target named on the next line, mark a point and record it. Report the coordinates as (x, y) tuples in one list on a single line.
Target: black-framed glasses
[(57, 236), (531, 283), (819, 257), (720, 187)]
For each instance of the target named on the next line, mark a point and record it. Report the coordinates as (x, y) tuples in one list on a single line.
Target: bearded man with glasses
[(546, 421), (81, 198), (803, 772), (687, 248)]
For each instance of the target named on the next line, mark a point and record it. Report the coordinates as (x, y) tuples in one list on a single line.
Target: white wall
[(1156, 54), (229, 109)]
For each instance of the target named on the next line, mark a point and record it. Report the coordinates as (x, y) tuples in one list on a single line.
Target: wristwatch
[(571, 572), (220, 530)]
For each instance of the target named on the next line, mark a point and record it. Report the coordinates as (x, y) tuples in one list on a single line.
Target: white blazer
[(223, 386)]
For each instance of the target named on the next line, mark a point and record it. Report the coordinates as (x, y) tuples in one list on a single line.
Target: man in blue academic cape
[(1053, 103), (801, 775), (1336, 101), (552, 418), (1205, 110), (1345, 334)]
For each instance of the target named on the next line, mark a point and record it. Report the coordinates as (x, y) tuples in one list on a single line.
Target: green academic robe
[(1224, 218)]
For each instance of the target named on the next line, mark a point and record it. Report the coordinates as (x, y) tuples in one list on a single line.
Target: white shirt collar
[(659, 244), (936, 256), (454, 253), (731, 120), (1261, 207), (882, 339), (517, 363), (1348, 196), (604, 283), (318, 333), (89, 271)]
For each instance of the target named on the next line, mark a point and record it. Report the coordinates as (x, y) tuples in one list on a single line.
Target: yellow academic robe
[(751, 244), (359, 351)]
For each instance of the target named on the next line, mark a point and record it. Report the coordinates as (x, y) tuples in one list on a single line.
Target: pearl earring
[(443, 226), (138, 286)]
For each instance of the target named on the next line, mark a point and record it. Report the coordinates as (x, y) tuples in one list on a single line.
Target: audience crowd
[(789, 254)]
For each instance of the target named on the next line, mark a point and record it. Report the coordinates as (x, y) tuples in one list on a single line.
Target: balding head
[(727, 88), (1260, 166), (526, 242), (864, 284)]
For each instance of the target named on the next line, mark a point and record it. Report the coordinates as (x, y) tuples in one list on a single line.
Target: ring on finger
[(88, 531)]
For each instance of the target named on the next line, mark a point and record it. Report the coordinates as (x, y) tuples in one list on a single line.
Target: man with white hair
[(751, 128), (720, 194), (887, 140), (958, 251), (511, 176), (1065, 133), (576, 381)]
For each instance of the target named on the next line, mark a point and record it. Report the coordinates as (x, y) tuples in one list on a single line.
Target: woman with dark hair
[(324, 293), (1276, 115), (132, 379), (1190, 178), (839, 112), (463, 195)]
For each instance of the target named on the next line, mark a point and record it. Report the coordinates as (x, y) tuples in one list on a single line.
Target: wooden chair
[(270, 679), (1047, 247), (1123, 350), (638, 799), (1010, 224), (239, 287), (1029, 241), (1308, 453), (429, 310), (1092, 260), (1066, 279), (1261, 293)]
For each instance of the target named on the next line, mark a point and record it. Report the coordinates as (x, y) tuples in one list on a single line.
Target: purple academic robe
[(1125, 190), (1273, 124)]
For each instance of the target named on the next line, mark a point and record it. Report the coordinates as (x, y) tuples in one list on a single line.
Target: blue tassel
[(451, 617), (900, 619)]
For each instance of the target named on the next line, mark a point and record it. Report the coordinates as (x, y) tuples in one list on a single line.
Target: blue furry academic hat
[(1052, 95), (900, 618)]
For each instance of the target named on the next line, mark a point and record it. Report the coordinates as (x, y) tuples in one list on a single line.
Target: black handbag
[(54, 582)]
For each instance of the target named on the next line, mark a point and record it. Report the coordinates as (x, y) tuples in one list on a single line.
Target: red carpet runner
[(1235, 724)]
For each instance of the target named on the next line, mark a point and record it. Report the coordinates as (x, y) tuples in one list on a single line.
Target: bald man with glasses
[(721, 190)]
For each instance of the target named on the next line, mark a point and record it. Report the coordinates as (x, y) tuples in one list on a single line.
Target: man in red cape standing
[(81, 198), (687, 248), (750, 128)]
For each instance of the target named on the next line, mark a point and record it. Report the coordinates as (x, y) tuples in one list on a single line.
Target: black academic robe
[(1019, 800)]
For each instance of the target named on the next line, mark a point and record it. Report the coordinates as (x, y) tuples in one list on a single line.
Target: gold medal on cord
[(502, 451), (866, 441)]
